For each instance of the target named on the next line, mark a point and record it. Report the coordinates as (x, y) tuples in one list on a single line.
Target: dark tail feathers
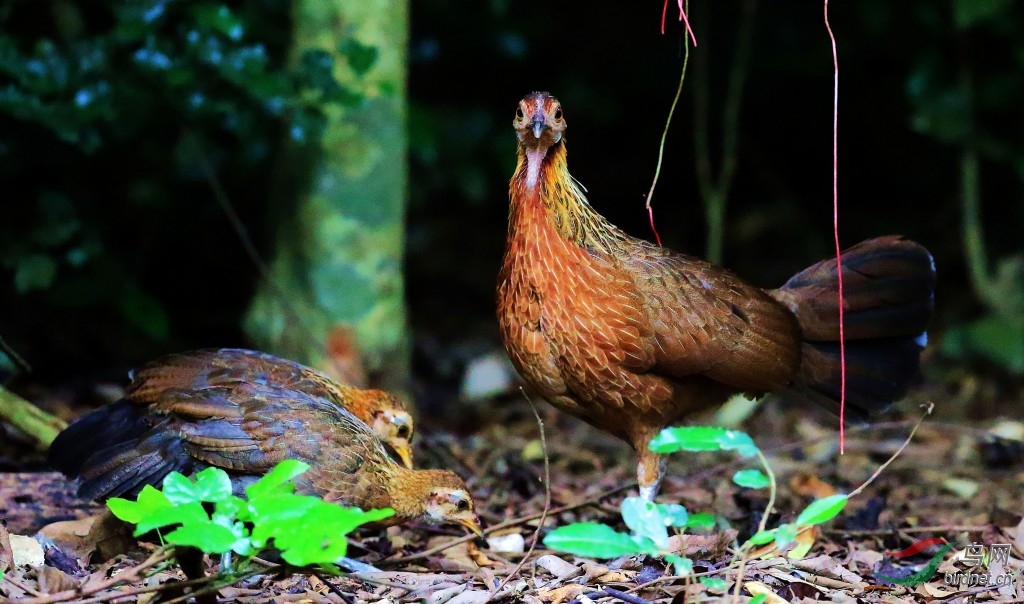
[(116, 450), (888, 293)]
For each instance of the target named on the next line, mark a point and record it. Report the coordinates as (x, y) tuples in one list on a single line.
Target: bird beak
[(404, 451), (538, 125), (472, 524)]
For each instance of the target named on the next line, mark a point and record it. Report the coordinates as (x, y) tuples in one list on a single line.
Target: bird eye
[(462, 505), (403, 432), (519, 113), (558, 113)]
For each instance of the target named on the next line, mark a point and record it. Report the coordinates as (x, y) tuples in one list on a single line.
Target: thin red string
[(835, 231), (682, 17), (650, 215)]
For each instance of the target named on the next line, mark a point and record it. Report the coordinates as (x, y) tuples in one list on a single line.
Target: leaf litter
[(955, 480)]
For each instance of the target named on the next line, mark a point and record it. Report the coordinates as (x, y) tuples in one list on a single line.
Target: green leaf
[(213, 485), (360, 57), (645, 520), (751, 479), (591, 539), (969, 12), (822, 510), (701, 521), (687, 438), (277, 479), (683, 566), (179, 489), (713, 583), (785, 534), (758, 599), (35, 271), (674, 514), (734, 440), (219, 18), (207, 536), (167, 516), (125, 510), (762, 537)]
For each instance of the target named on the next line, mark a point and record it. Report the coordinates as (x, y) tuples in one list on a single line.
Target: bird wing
[(707, 321), (211, 368), (251, 427)]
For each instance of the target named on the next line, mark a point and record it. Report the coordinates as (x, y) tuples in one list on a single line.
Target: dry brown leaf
[(72, 536), (702, 546), (52, 580), (809, 485), (804, 542), (456, 558), (829, 567), (599, 573), (757, 588), (478, 556), (562, 594), (558, 568)]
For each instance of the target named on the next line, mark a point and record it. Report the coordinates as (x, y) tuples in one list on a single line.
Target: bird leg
[(650, 470)]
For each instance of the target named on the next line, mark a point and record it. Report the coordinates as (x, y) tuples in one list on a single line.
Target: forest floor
[(961, 478)]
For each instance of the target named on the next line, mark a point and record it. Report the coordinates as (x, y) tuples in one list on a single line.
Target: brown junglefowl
[(229, 367), (630, 337), (246, 429)]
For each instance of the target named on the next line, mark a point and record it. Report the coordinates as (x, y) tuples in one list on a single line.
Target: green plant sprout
[(649, 522), (306, 529)]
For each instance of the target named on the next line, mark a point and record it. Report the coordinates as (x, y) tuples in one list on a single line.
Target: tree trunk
[(336, 279)]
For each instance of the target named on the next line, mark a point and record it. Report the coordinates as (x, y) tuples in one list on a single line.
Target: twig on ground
[(928, 408), (613, 593), (28, 418)]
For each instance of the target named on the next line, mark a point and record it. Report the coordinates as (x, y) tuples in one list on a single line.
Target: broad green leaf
[(275, 479), (687, 438), (822, 510), (674, 514), (683, 566), (645, 520), (149, 501), (176, 514), (179, 489), (713, 583), (125, 509), (762, 537), (734, 440), (785, 534), (213, 485), (751, 479), (701, 521), (209, 537), (591, 539), (316, 551), (758, 599)]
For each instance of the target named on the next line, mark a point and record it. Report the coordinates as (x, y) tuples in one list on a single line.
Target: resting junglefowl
[(229, 367), (246, 429), (631, 337)]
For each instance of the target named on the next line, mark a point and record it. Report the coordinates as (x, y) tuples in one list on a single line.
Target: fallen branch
[(26, 417)]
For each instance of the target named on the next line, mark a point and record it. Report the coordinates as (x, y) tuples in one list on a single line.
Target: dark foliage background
[(114, 249)]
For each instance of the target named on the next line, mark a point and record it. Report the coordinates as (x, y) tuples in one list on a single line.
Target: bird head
[(448, 502), (392, 424), (539, 121)]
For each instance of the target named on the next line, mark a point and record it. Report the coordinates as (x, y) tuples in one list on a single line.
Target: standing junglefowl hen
[(630, 337), (231, 367), (246, 429)]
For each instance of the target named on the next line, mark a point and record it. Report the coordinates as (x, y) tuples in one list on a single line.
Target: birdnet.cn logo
[(975, 558)]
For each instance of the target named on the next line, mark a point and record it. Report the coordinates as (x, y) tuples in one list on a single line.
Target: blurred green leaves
[(111, 113)]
